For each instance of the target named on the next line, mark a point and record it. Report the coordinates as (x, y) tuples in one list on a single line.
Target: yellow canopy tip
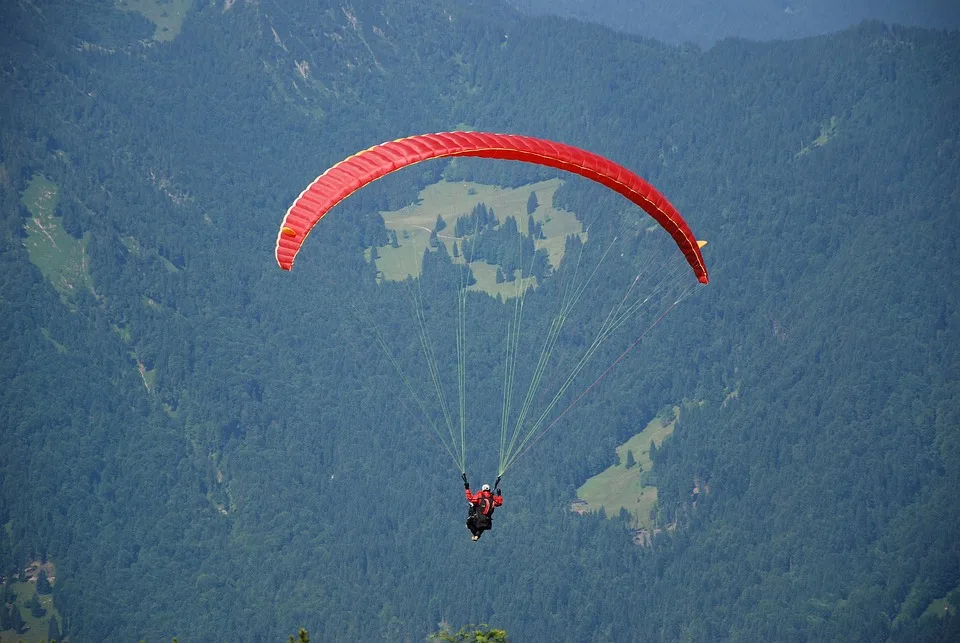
[(701, 243)]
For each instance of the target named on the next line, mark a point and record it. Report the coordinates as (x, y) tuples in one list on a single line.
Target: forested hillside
[(209, 448), (705, 22)]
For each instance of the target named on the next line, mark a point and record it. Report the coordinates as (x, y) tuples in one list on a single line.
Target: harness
[(481, 512), (486, 505)]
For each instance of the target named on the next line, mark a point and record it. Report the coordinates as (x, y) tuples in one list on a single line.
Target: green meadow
[(61, 259), (166, 15), (621, 487), (451, 200), (35, 628)]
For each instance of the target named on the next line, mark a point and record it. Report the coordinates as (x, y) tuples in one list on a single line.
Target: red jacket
[(475, 499)]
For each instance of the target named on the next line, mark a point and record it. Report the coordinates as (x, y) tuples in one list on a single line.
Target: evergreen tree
[(456, 250), (630, 460), (440, 225), (16, 622), (53, 630), (7, 595), (43, 583), (488, 218), (527, 252), (36, 607), (532, 204), (510, 229), (302, 637), (540, 267), (6, 555)]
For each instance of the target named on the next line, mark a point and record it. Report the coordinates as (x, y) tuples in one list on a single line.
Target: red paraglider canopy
[(362, 168)]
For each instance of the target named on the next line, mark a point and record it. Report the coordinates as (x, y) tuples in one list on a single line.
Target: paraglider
[(482, 505), (353, 173)]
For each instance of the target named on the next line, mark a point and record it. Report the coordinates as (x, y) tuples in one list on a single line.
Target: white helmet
[(485, 487)]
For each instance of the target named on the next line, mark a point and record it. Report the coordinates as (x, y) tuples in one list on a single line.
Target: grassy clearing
[(61, 259), (123, 332), (941, 607), (131, 244), (36, 628), (167, 15), (827, 132), (618, 487), (938, 608), (414, 224)]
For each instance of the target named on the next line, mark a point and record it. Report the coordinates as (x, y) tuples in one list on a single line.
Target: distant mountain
[(706, 21)]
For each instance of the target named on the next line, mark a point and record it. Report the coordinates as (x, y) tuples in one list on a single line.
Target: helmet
[(485, 487)]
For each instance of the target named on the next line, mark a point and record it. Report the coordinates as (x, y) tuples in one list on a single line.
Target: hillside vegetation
[(209, 448)]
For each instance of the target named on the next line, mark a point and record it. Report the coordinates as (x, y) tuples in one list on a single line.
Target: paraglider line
[(595, 382)]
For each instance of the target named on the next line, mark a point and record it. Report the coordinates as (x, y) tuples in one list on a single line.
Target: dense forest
[(198, 445)]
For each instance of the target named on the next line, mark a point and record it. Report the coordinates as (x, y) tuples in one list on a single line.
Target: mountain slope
[(215, 453)]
